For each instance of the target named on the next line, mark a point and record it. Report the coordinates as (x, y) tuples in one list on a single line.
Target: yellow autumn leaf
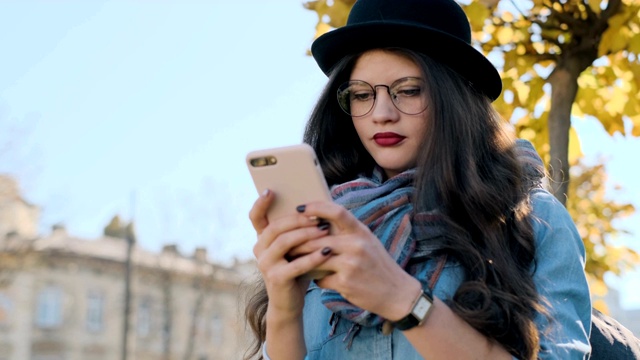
[(321, 29), (575, 148), (338, 13), (320, 7), (601, 305), (595, 6), (604, 47), (632, 107), (522, 92), (634, 44), (536, 89), (477, 14), (617, 101), (587, 79), (310, 5), (621, 40), (635, 121), (614, 124), (539, 47), (504, 35), (507, 16), (538, 3), (528, 134), (490, 4), (576, 110)]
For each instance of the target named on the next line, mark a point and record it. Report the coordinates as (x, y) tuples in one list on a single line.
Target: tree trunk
[(564, 87), (576, 57)]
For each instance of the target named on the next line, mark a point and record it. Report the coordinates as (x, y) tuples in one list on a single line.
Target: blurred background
[(123, 188)]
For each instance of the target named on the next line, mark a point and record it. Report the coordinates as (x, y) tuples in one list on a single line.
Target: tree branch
[(517, 8), (546, 57), (551, 39), (612, 8), (591, 15), (545, 25), (566, 19)]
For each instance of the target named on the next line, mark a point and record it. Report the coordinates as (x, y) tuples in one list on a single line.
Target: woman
[(444, 244)]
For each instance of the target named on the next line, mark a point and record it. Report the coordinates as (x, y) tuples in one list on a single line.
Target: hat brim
[(463, 58)]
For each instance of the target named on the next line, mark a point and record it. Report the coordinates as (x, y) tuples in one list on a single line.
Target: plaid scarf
[(386, 208)]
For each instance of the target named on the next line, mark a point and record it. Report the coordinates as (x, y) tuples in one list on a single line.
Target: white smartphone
[(295, 176), (292, 173)]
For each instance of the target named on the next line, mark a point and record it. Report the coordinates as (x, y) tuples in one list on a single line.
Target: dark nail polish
[(326, 251), (323, 225), (301, 208)]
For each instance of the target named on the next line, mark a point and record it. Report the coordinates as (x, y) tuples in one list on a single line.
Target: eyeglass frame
[(375, 95)]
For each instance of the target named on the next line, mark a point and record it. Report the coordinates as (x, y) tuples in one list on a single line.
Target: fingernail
[(301, 208), (313, 218), (323, 225), (326, 251), (266, 192)]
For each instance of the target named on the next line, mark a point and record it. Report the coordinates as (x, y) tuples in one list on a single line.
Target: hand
[(363, 271), (285, 287)]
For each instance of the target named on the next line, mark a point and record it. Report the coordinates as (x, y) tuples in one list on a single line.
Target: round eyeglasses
[(357, 97)]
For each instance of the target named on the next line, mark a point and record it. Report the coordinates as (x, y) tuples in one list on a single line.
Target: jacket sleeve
[(561, 281)]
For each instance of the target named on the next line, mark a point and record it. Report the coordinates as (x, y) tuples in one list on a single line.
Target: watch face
[(421, 308)]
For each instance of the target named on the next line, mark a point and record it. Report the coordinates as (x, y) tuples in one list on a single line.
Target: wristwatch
[(420, 310)]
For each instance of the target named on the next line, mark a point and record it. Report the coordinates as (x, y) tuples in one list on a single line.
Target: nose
[(383, 109)]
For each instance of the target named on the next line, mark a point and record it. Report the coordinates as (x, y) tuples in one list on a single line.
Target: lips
[(388, 138)]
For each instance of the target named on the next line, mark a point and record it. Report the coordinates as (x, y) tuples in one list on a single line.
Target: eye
[(408, 91), (361, 95), (408, 87)]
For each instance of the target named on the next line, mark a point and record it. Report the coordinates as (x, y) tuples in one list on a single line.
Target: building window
[(144, 317), (95, 311), (217, 329), (47, 357), (6, 309), (49, 307)]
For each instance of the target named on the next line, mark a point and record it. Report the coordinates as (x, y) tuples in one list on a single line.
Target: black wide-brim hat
[(437, 28)]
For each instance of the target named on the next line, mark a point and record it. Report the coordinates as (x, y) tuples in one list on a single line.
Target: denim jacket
[(559, 277)]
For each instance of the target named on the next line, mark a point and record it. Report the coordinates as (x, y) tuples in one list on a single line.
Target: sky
[(146, 110)]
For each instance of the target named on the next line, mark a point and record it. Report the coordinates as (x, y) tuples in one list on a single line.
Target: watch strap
[(411, 320)]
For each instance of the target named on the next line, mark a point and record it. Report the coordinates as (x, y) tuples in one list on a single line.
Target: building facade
[(66, 298)]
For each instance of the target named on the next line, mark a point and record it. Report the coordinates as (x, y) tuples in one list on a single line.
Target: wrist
[(420, 308), (284, 335), (405, 299), (276, 317)]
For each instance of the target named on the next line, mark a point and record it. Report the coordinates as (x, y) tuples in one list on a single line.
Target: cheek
[(422, 130), (360, 130)]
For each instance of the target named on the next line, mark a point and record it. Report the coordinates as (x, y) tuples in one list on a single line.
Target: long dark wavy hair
[(468, 170)]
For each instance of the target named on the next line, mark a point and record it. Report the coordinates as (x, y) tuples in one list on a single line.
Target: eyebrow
[(400, 78)]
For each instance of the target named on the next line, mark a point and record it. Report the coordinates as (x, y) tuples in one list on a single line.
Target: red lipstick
[(387, 138)]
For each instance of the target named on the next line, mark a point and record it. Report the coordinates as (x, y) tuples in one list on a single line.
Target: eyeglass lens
[(357, 97)]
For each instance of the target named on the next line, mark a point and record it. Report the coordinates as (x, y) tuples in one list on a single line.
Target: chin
[(394, 169)]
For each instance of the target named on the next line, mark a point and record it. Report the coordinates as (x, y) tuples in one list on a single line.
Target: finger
[(309, 246), (307, 264), (339, 217), (285, 224), (277, 250), (328, 268), (258, 212), (281, 226)]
